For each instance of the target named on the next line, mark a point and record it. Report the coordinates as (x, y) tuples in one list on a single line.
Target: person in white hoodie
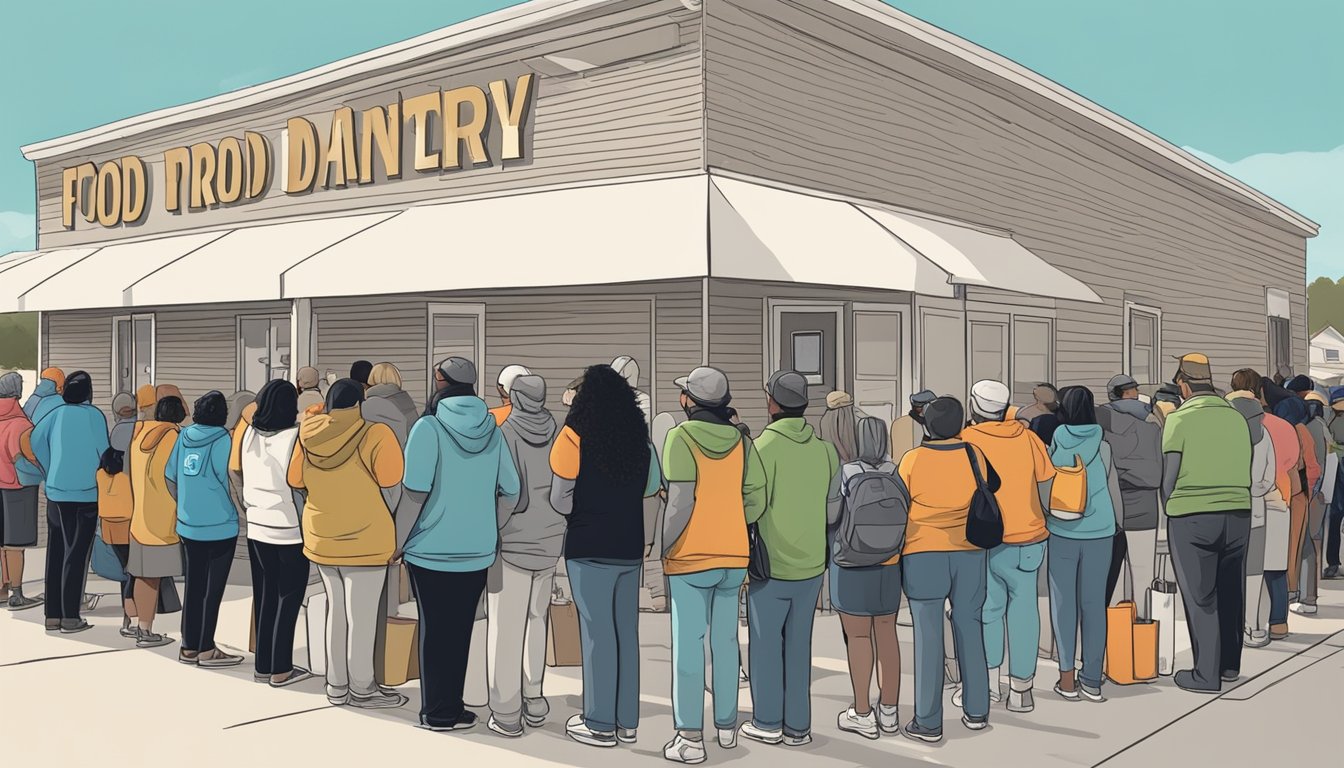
[(258, 467), (628, 367), (1265, 501)]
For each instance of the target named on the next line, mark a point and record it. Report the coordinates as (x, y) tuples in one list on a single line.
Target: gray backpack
[(872, 524)]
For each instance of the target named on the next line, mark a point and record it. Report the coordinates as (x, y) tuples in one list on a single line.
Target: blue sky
[(1251, 87)]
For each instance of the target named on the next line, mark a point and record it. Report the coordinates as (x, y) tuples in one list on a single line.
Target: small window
[(1332, 355), (807, 352)]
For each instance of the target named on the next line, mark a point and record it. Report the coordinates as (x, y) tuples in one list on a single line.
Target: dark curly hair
[(607, 418)]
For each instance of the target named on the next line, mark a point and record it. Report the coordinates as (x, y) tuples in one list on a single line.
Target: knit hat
[(123, 404), (944, 418), (144, 396), (56, 376), (510, 374), (1118, 384), (839, 400), (307, 378), (1299, 383), (11, 385), (990, 398), (457, 370)]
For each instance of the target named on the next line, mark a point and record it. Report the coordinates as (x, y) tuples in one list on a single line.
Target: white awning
[(15, 258), (974, 257), (245, 264), (19, 278), (764, 233), (98, 280), (613, 233)]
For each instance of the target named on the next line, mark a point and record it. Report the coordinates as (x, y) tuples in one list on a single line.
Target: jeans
[(447, 601), (518, 603), (353, 596), (1011, 594), (279, 579), (1276, 583), (779, 625), (70, 531), (1077, 573), (206, 566), (1209, 554), (1257, 607), (606, 594), (705, 603), (932, 578)]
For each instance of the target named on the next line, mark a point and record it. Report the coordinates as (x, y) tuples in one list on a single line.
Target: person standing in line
[(716, 488), (1136, 448), (604, 468), (628, 368), (1312, 556), (259, 465), (1335, 419), (18, 496), (1307, 477), (1206, 485), (1045, 399), (115, 503), (123, 408), (154, 550), (46, 395), (386, 402), (839, 425), (343, 463), (522, 579), (359, 372), (68, 443), (868, 596), (1278, 512), (802, 499), (941, 566), (907, 433), (308, 382), (1080, 548), (504, 384), (1026, 476), (1244, 398), (207, 525)]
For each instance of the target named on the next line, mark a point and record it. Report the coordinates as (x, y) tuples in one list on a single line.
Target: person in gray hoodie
[(1136, 449), (519, 584), (1265, 500)]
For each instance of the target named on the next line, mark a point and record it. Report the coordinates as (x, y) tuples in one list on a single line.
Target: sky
[(1252, 88)]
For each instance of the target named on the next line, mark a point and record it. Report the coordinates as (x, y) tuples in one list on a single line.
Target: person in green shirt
[(1206, 486)]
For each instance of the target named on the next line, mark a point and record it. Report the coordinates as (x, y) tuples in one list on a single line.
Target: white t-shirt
[(272, 517)]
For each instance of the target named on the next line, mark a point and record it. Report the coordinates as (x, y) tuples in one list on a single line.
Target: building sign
[(443, 130)]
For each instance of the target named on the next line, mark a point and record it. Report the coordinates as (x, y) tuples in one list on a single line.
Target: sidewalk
[(109, 693)]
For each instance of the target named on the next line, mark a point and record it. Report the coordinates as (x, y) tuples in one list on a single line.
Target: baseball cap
[(1337, 395), (511, 374), (458, 370), (788, 389), (1194, 366), (144, 396), (307, 377), (922, 398), (990, 398), (706, 386), (1119, 384)]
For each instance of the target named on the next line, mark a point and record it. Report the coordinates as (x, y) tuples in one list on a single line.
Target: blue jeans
[(1011, 594), (931, 580), (779, 625), (1077, 572), (705, 602), (606, 594)]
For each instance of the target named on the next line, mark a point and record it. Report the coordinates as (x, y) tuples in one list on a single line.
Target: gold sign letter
[(175, 164), (230, 181), (381, 127), (341, 163), (108, 198), (69, 196), (511, 114), (302, 170), (258, 164), (454, 132), (134, 189), (202, 175), (418, 109), (86, 182)]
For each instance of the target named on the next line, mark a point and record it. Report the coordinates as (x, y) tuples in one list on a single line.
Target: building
[(828, 185), (1327, 357)]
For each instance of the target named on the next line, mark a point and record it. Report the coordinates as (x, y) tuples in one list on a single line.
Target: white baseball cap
[(510, 373)]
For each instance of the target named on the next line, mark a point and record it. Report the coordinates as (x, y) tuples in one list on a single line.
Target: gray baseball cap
[(706, 386), (922, 398), (458, 370), (1120, 383), (788, 389)]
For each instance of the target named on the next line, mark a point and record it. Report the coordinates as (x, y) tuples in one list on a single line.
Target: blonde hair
[(385, 373)]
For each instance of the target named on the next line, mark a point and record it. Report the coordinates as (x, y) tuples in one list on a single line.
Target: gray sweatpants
[(354, 594)]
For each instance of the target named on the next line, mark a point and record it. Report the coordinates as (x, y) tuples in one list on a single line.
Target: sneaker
[(888, 718), (338, 698), (296, 675), (751, 731), (682, 750), (1090, 693), (258, 677), (130, 632), (217, 659), (1256, 639), (465, 721), (1021, 701), (188, 657), (864, 725), (17, 602), (1068, 695), (627, 735), (74, 626), (727, 738), (579, 731), (1331, 572), (152, 640), (378, 700), (975, 723), (797, 741), (918, 732), (1304, 609), (535, 711), (53, 625), (1278, 631), (504, 730), (1230, 675)]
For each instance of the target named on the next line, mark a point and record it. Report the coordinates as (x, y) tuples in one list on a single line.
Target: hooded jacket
[(199, 467), (628, 367), (1087, 443), (1022, 463), (391, 405), (344, 463), (44, 399), (1287, 454), (154, 511), (1263, 470), (13, 423), (68, 443), (458, 457), (1214, 444), (533, 534), (1136, 448), (802, 492)]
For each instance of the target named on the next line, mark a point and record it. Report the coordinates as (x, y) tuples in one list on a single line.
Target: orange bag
[(1068, 493), (1131, 646), (114, 497)]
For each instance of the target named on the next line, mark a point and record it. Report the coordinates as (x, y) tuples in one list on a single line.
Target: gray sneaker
[(152, 640), (216, 659), (296, 675), (74, 626), (17, 602), (918, 732), (1021, 701), (535, 711), (378, 701)]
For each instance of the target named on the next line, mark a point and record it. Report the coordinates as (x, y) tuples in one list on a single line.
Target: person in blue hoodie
[(46, 395), (1079, 557), (68, 442), (207, 524), (457, 468)]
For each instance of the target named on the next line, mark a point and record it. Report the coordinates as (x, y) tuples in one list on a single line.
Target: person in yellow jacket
[(154, 552), (344, 462)]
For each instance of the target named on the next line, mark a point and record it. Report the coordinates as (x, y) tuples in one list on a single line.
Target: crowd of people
[(972, 512)]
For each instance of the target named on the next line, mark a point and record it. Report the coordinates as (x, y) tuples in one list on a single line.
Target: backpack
[(872, 524)]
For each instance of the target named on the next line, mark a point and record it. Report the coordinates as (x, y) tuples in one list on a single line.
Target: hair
[(360, 371), (385, 373), (1248, 380), (171, 409), (1077, 407), (211, 409), (610, 424), (346, 393), (277, 406), (871, 439), (78, 388)]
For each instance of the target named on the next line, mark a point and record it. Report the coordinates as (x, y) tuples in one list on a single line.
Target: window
[(1281, 342), (878, 359), (807, 352), (989, 351), (133, 351), (263, 350), (942, 353), (1033, 356), (1332, 355), (1143, 343), (807, 339)]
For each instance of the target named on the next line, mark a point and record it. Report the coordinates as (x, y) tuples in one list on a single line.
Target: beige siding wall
[(801, 92)]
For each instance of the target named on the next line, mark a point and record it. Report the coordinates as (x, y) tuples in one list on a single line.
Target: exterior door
[(263, 350), (807, 341), (456, 330), (1143, 343), (878, 363), (133, 351), (942, 353), (988, 351)]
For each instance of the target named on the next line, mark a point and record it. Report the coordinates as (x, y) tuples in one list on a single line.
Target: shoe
[(90, 602), (917, 732), (864, 725), (797, 741), (17, 602), (1090, 693), (751, 731), (728, 738), (339, 698), (53, 625), (957, 699), (1069, 695), (579, 731), (74, 626), (1230, 675), (1293, 597), (1185, 680), (189, 658), (1278, 631), (465, 721), (975, 723), (682, 750), (1021, 701), (1331, 572), (217, 659), (130, 632), (535, 711), (888, 718), (503, 730), (627, 735), (296, 675), (378, 700), (258, 677), (1303, 609), (152, 640), (1256, 639)]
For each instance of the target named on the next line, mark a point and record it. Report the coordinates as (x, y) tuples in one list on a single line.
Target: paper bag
[(563, 646), (1145, 650), (1162, 611), (401, 652), (1120, 643), (315, 621)]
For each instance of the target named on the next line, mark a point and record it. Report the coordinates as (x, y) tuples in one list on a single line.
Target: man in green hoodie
[(802, 490)]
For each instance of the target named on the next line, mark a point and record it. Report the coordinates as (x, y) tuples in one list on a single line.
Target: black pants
[(206, 564), (1119, 548), (1209, 554), (279, 579), (70, 530), (123, 553), (447, 603)]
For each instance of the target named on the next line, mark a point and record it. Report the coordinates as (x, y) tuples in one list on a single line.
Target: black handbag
[(984, 523), (758, 565)]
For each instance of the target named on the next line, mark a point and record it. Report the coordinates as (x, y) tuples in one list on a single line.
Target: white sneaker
[(627, 735), (864, 725), (1021, 701), (888, 718), (1303, 609), (727, 738), (682, 750), (750, 731), (579, 731), (798, 741), (378, 700)]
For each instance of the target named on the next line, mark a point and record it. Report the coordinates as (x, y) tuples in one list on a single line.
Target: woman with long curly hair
[(604, 469)]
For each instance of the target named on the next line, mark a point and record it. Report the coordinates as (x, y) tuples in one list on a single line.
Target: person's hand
[(396, 558), (662, 494)]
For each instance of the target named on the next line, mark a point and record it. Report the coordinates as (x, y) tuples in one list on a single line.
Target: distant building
[(1327, 357)]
